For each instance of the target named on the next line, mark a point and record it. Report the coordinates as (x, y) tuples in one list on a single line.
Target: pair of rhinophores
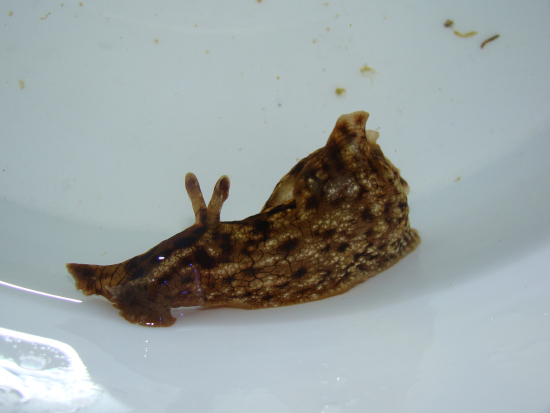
[(339, 217)]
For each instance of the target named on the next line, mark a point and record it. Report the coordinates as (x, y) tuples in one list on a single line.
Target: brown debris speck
[(468, 34), (366, 70), (369, 72), (490, 39)]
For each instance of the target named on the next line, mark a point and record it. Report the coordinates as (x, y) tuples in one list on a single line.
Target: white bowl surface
[(105, 106)]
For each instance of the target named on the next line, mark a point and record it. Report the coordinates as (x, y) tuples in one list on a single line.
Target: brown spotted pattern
[(337, 218)]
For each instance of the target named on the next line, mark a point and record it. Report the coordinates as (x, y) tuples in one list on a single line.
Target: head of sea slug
[(145, 287)]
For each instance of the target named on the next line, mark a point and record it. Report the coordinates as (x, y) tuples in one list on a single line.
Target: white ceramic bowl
[(106, 105)]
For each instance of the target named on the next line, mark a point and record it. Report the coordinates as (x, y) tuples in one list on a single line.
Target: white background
[(121, 99)]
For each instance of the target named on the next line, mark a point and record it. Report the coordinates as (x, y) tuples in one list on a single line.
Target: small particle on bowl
[(340, 91), (369, 72), (448, 23), (490, 39), (469, 34), (10, 13), (458, 179), (157, 41), (365, 70), (46, 16), (21, 84)]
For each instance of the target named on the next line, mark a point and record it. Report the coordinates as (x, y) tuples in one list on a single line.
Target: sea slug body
[(339, 217)]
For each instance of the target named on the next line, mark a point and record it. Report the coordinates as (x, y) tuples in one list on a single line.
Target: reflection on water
[(39, 292), (38, 374)]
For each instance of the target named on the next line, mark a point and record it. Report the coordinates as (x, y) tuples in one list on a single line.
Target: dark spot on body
[(299, 274), (366, 215), (342, 247), (314, 201), (251, 245), (388, 207), (226, 244), (198, 231), (137, 266), (133, 269), (229, 280), (187, 239), (248, 275), (261, 227), (343, 128), (325, 276), (204, 260), (188, 279), (288, 246)]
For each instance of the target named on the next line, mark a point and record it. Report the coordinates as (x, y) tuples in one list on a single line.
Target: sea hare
[(339, 217)]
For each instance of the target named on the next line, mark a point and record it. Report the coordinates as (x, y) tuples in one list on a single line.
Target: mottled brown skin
[(339, 217)]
